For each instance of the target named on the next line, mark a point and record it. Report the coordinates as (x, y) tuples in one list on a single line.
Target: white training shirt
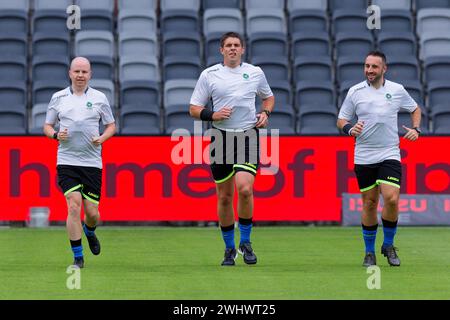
[(378, 108), (232, 87), (81, 116)]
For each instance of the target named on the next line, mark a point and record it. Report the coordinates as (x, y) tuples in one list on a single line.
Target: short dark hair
[(227, 35), (377, 53)]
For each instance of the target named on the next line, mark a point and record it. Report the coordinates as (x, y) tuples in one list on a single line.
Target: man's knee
[(391, 200), (370, 204), (74, 207), (225, 199), (245, 191)]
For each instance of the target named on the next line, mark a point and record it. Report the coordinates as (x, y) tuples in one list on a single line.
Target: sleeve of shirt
[(348, 108), (201, 94), (52, 111), (406, 101), (263, 90), (106, 112)]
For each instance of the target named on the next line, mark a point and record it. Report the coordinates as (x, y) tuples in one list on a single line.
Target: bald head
[(80, 74)]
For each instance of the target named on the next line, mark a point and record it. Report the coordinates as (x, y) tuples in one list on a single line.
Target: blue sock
[(228, 236), (389, 230), (370, 235), (77, 248), (88, 231), (245, 228)]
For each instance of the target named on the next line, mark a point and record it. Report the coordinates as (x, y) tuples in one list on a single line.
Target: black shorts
[(233, 152), (371, 175), (87, 180)]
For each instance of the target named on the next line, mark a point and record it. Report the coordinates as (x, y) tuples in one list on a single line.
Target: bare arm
[(222, 114), (267, 104), (412, 134), (110, 130), (354, 130)]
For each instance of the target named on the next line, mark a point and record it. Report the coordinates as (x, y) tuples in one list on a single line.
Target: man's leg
[(370, 223), (73, 225), (244, 185), (91, 218), (225, 193), (391, 195)]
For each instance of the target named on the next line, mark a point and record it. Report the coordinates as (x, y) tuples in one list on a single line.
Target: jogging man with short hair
[(79, 109), (233, 86), (376, 103)]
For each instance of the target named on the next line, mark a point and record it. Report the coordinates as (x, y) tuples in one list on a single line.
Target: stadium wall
[(141, 182)]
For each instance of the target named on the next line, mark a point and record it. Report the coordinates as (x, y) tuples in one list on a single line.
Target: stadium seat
[(177, 117), (348, 4), (310, 68), (433, 20), (305, 21), (49, 20), (180, 21), (283, 120), (94, 43), (140, 120), (283, 95), (12, 119), (52, 67), (212, 49), (57, 43), (11, 19), (102, 67), (44, 89), (438, 94), (433, 45), (314, 93), (355, 44), (437, 68), (13, 68), (275, 68), (181, 44), (314, 121), (415, 90), (209, 4), (293, 5), (179, 67), (403, 68), (263, 20), (135, 20), (350, 69), (267, 4), (396, 21), (404, 119), (21, 5), (349, 20), (106, 5), (143, 5), (106, 86), (140, 93), (13, 93), (137, 67), (441, 119), (392, 4), (132, 43), (180, 5), (268, 44), (397, 43), (37, 121), (217, 20), (313, 43), (178, 92), (13, 43), (421, 4), (52, 4), (344, 86)]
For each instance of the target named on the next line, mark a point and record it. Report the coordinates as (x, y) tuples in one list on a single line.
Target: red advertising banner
[(141, 182)]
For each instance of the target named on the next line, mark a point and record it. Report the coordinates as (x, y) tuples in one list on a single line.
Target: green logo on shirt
[(388, 96), (245, 76), (89, 105)]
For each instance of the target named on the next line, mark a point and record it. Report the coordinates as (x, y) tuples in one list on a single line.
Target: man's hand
[(263, 120), (222, 114), (97, 141), (356, 130), (411, 134), (63, 135)]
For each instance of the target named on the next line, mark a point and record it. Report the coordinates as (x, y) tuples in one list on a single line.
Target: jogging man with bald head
[(79, 109)]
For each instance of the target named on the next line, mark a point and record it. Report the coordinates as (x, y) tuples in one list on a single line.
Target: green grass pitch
[(184, 263)]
